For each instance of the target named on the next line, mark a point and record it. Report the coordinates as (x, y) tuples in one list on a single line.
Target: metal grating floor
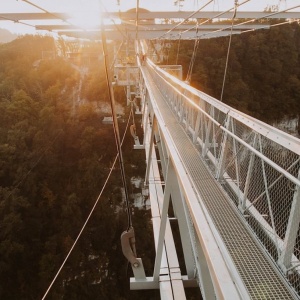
[(259, 277)]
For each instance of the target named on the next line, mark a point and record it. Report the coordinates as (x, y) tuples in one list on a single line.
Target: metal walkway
[(254, 268)]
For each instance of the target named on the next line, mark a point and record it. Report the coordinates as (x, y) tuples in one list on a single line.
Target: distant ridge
[(6, 36)]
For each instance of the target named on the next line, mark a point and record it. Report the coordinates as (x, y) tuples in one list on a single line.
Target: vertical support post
[(285, 258), (197, 126), (163, 154), (145, 104), (145, 126), (207, 133), (237, 169), (242, 202), (202, 270), (177, 201), (187, 117), (269, 198), (150, 149), (208, 291), (128, 94), (181, 111), (163, 222), (224, 147)]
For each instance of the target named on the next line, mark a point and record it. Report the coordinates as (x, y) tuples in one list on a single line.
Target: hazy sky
[(86, 12)]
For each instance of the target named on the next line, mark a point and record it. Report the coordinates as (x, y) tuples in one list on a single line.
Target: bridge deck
[(260, 278)]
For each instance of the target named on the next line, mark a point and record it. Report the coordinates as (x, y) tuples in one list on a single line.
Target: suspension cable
[(17, 21), (191, 66), (46, 11), (137, 19), (178, 46), (64, 20), (117, 27), (252, 20), (115, 124), (89, 216), (272, 25), (228, 50), (190, 16), (216, 16)]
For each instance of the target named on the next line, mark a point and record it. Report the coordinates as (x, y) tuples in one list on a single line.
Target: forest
[(54, 158), (263, 75), (55, 154)]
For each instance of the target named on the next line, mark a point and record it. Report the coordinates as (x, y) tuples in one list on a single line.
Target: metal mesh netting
[(260, 174)]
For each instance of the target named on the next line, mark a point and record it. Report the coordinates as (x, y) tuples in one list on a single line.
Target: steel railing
[(257, 165)]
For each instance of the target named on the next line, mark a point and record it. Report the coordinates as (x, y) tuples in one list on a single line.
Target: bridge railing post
[(206, 140), (163, 221), (223, 151), (153, 129), (285, 259), (243, 200)]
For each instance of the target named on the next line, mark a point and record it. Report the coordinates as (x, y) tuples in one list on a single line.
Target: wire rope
[(88, 218), (178, 47), (46, 11), (117, 27), (190, 16), (272, 25), (228, 50), (252, 20), (192, 62), (64, 20), (137, 19), (115, 124), (214, 17), (17, 21)]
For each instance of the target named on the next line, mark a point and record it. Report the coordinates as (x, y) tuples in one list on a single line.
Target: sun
[(86, 19), (87, 14)]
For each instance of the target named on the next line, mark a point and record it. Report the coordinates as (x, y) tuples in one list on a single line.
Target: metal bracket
[(128, 249), (135, 137)]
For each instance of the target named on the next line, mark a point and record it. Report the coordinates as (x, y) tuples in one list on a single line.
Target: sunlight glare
[(87, 17)]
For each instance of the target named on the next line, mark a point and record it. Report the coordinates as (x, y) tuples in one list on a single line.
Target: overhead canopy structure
[(156, 25)]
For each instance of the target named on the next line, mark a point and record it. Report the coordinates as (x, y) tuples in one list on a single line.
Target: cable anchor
[(129, 251)]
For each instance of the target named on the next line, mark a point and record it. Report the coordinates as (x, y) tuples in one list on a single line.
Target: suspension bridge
[(230, 182)]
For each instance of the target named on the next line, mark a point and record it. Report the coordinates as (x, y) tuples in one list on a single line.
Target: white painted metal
[(224, 285), (177, 201), (224, 147), (151, 141), (170, 282), (242, 203), (240, 141), (150, 17), (155, 27), (163, 223), (139, 272), (220, 145), (285, 259), (144, 34)]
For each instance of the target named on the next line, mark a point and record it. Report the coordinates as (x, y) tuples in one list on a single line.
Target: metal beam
[(155, 27), (148, 35), (148, 17), (33, 16)]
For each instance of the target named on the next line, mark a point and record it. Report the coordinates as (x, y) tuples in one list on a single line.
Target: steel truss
[(239, 152)]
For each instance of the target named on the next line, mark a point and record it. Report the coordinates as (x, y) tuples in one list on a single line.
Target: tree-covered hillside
[(263, 77), (55, 154), (54, 158)]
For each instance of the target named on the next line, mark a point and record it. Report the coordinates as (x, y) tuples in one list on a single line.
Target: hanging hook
[(128, 247)]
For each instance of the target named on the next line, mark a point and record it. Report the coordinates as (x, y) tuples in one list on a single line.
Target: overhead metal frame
[(151, 24), (151, 16)]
